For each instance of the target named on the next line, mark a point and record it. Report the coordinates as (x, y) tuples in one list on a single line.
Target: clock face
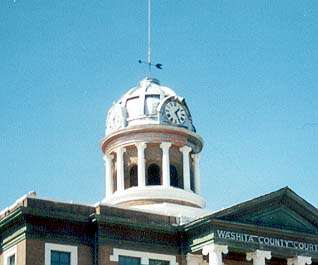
[(115, 119), (175, 112)]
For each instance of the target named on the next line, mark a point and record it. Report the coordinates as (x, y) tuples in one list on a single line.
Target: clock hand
[(176, 112)]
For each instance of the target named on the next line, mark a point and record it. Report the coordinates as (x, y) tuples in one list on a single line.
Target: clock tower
[(151, 152)]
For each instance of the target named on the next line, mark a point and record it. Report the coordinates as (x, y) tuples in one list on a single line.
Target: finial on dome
[(149, 62), (152, 80)]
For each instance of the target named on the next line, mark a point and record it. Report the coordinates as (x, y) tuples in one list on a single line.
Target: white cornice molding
[(119, 138)]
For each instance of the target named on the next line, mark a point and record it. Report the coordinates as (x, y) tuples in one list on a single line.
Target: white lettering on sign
[(267, 241)]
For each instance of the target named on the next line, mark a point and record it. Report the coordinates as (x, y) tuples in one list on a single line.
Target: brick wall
[(104, 253), (85, 255), (35, 252)]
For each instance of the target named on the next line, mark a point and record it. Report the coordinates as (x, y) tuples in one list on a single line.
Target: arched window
[(153, 175), (133, 176), (174, 179)]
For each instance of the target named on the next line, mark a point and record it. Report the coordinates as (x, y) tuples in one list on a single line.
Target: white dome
[(145, 104)]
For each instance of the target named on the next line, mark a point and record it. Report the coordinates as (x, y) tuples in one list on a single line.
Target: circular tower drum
[(151, 152)]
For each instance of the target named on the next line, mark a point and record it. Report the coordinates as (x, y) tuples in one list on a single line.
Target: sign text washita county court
[(267, 241)]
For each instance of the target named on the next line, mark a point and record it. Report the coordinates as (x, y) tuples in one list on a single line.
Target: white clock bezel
[(115, 119), (175, 112)]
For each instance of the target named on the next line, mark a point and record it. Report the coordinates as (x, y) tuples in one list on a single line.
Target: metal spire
[(149, 62), (149, 36)]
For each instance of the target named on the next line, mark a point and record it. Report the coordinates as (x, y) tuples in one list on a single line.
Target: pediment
[(280, 217), (282, 209)]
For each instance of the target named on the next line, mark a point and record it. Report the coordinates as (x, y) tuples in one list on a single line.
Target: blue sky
[(248, 70)]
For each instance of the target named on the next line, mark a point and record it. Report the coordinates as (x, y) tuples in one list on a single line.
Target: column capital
[(165, 145), (195, 156), (185, 149), (120, 150), (258, 256), (215, 248), (299, 260), (215, 253), (141, 145), (107, 157), (194, 259)]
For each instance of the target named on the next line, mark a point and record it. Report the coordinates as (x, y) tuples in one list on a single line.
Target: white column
[(197, 181), (120, 168), (108, 175), (186, 167), (215, 253), (165, 164), (141, 164), (194, 259), (258, 256), (299, 260)]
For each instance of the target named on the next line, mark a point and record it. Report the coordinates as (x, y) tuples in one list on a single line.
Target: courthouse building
[(153, 212)]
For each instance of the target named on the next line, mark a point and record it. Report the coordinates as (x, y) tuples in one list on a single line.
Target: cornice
[(155, 128)]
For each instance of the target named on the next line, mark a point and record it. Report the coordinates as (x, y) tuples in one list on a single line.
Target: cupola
[(151, 150)]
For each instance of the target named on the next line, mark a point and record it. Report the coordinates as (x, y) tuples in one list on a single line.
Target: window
[(60, 258), (125, 260), (10, 256), (152, 102), (133, 107), (153, 176), (60, 254), (132, 257), (11, 260)]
